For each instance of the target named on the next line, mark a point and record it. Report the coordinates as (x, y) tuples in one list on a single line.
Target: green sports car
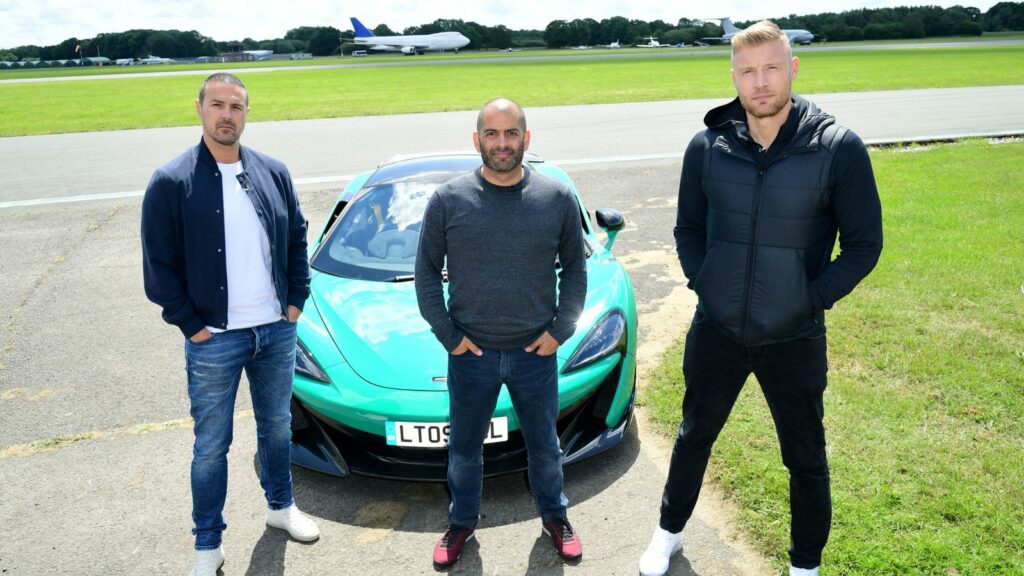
[(370, 394)]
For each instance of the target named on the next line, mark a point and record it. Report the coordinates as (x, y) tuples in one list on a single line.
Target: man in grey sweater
[(501, 229)]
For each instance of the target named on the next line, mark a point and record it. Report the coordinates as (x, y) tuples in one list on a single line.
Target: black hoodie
[(756, 228)]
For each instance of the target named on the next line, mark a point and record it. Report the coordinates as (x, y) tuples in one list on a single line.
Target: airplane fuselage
[(421, 42)]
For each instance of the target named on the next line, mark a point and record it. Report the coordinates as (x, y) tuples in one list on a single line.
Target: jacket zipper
[(755, 220), (748, 277)]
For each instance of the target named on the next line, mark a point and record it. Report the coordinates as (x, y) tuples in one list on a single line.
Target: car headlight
[(307, 366), (607, 336)]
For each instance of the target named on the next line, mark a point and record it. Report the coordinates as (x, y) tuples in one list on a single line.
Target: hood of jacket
[(810, 122)]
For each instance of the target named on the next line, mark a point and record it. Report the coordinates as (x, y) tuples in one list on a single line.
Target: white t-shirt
[(252, 299)]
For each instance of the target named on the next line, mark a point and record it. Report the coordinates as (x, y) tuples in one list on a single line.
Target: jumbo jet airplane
[(408, 45), (796, 36)]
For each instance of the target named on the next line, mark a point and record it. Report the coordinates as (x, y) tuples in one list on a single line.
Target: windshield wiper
[(401, 278)]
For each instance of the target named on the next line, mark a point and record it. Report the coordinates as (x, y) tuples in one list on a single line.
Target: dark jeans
[(267, 354), (793, 376), (473, 386)]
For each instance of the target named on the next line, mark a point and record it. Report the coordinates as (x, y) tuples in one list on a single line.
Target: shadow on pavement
[(376, 503)]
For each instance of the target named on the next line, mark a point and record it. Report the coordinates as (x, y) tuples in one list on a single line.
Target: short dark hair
[(222, 78), (502, 105)]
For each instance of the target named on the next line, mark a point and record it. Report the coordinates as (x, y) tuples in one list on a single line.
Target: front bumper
[(325, 445)]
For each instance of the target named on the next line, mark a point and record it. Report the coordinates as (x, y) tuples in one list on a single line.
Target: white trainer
[(297, 524), (208, 562), (794, 571), (655, 559)]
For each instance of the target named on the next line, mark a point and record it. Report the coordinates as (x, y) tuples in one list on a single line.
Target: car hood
[(378, 329)]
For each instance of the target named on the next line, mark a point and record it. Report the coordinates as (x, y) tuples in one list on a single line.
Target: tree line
[(862, 24)]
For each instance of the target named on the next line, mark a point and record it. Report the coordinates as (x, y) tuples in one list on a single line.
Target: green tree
[(325, 41), (557, 34), (497, 37), (161, 44), (302, 33), (1005, 16)]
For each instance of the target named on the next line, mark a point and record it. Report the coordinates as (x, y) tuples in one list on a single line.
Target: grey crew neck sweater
[(501, 243)]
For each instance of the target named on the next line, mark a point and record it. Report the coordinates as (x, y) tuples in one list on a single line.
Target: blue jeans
[(473, 386), (267, 354), (793, 376)]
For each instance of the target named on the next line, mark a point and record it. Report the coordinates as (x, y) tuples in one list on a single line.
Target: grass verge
[(925, 405), (57, 107)]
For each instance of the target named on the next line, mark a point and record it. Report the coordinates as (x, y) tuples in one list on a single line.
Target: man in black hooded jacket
[(765, 190)]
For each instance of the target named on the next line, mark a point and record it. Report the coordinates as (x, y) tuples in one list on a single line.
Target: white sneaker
[(794, 571), (208, 562), (297, 524), (664, 544)]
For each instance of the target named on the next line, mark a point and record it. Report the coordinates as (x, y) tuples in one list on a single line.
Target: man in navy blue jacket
[(224, 255), (764, 192)]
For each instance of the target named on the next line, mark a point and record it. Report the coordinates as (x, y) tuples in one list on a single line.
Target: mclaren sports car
[(370, 393)]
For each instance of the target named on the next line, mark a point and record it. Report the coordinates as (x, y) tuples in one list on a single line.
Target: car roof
[(435, 167)]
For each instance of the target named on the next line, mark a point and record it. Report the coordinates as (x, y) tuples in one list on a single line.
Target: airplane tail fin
[(361, 31), (729, 27)]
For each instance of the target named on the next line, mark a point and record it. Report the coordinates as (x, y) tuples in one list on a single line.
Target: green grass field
[(925, 405), (127, 103)]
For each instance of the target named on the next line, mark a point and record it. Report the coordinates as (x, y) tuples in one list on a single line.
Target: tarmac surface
[(95, 441), (329, 151), (94, 437)]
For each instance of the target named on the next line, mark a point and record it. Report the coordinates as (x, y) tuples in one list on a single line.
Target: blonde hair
[(761, 33)]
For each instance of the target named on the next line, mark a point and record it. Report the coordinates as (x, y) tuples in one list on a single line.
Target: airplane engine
[(409, 50)]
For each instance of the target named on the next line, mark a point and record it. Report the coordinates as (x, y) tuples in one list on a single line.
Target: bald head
[(501, 106)]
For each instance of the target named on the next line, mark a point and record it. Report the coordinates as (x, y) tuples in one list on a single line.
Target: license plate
[(435, 434)]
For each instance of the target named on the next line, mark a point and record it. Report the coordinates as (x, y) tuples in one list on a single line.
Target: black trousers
[(793, 376)]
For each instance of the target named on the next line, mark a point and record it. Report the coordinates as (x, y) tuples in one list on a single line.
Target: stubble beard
[(502, 166), (768, 109), (230, 140)]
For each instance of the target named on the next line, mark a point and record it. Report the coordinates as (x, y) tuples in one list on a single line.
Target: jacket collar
[(204, 155), (732, 119)]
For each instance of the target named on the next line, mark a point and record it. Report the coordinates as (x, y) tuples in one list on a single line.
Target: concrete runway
[(328, 151), (94, 436)]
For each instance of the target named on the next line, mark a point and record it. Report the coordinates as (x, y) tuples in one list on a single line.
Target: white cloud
[(47, 22)]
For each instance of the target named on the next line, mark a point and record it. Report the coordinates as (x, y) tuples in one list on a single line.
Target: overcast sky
[(47, 22)]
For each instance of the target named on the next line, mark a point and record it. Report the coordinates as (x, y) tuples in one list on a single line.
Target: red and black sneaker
[(449, 547), (565, 540)]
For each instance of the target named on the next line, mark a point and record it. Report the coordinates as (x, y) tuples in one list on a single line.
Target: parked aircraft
[(796, 35), (612, 45), (408, 45), (259, 54), (652, 42), (155, 60), (581, 47)]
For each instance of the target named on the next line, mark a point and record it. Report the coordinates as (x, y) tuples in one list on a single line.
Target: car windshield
[(378, 233)]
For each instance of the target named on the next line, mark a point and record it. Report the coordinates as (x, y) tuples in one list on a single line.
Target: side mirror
[(611, 221)]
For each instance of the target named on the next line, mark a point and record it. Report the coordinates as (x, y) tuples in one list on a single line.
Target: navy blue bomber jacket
[(183, 260)]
